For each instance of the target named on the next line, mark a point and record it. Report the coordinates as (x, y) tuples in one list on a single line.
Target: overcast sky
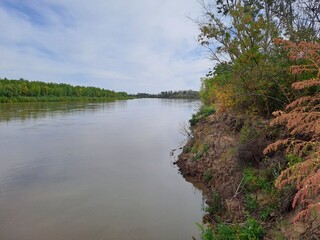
[(123, 45)]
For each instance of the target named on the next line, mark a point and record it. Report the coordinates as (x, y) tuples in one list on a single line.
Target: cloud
[(133, 46)]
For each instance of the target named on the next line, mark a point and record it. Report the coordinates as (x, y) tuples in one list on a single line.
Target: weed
[(250, 202), (231, 151), (226, 232), (198, 156), (207, 232), (207, 175), (253, 181), (186, 149), (273, 171), (205, 148), (250, 180), (293, 159), (216, 204), (247, 132), (252, 230), (266, 212), (194, 149)]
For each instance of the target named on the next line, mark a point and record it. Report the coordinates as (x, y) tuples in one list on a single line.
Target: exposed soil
[(209, 158)]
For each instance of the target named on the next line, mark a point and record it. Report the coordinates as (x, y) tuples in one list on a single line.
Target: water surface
[(95, 171)]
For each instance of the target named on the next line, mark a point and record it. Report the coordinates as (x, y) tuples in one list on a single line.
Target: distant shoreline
[(35, 91), (59, 99)]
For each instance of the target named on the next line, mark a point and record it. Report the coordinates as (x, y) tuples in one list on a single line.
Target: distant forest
[(190, 94), (29, 91), (34, 91)]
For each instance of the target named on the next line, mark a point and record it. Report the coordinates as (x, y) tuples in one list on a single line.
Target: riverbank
[(225, 155)]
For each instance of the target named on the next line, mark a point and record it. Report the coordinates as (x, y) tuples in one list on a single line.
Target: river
[(80, 171)]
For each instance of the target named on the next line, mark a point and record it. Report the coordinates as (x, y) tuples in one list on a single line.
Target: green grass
[(207, 175), (216, 204), (205, 148), (251, 230), (198, 156), (250, 202), (194, 149), (200, 151)]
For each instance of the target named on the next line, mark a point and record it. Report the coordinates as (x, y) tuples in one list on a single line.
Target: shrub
[(254, 180), (247, 155), (302, 121), (204, 112), (247, 132), (252, 230)]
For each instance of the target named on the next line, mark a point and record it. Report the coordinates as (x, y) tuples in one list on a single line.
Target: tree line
[(24, 90), (185, 94), (36, 91)]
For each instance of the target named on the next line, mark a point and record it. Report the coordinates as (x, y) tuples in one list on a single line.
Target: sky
[(122, 45)]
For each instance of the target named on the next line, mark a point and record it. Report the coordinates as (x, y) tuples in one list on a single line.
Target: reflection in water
[(25, 111), (94, 171)]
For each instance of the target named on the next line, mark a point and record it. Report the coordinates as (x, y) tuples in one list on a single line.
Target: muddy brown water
[(95, 171)]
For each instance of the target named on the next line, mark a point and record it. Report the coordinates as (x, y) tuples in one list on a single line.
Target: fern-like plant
[(302, 121)]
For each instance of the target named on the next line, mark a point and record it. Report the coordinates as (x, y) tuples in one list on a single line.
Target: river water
[(73, 171)]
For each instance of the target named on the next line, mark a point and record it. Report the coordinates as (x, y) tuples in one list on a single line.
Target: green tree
[(23, 90), (239, 36)]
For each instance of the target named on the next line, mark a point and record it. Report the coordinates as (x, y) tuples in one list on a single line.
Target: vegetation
[(250, 72), (302, 121), (266, 57), (189, 94), (207, 175), (216, 204), (34, 91), (204, 112), (28, 91), (254, 180), (247, 132), (251, 230), (198, 151)]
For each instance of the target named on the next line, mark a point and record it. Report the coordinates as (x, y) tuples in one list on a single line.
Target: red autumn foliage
[(302, 121)]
